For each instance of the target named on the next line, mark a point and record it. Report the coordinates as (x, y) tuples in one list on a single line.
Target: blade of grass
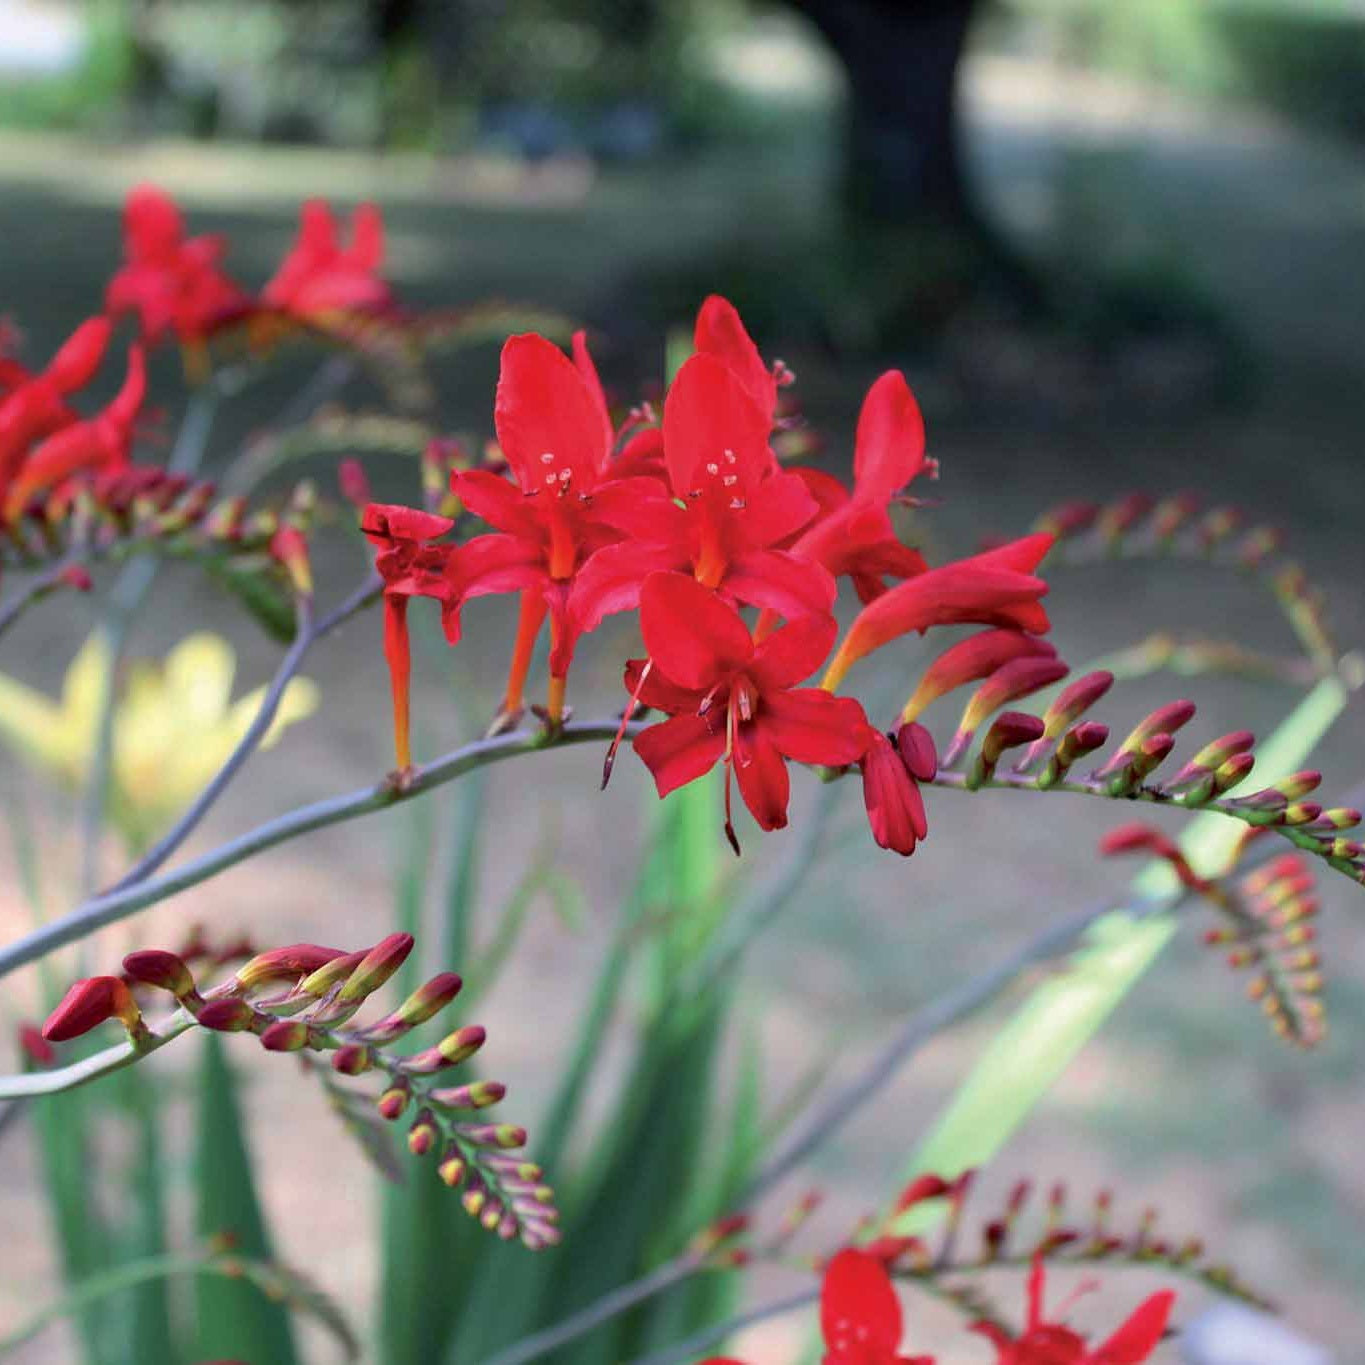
[(1035, 1046), (233, 1320)]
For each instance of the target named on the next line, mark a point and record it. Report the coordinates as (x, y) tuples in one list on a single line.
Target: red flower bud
[(90, 1003)]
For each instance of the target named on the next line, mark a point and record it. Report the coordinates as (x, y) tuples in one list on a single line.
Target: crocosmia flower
[(563, 503), (1050, 1343), (323, 279), (853, 535), (172, 283), (725, 515), (100, 444), (860, 1315), (734, 702), (36, 406)]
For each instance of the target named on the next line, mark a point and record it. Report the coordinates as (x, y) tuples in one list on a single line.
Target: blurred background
[(1115, 244)]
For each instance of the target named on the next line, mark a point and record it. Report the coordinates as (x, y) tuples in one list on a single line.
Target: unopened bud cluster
[(305, 998)]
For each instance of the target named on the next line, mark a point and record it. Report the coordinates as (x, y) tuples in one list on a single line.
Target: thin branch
[(690, 1348), (539, 1344), (1157, 796), (116, 905), (307, 633), (53, 1080)]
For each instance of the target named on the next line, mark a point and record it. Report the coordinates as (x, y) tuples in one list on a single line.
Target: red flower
[(994, 589), (35, 406), (98, 445), (719, 332), (853, 535), (171, 282), (733, 702), (565, 503), (978, 656), (1049, 1343), (726, 511), (892, 768), (411, 566), (860, 1315), (320, 280)]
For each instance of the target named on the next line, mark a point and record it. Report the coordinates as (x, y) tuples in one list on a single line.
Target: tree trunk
[(902, 159)]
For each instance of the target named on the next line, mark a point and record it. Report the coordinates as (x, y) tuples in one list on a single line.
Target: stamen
[(610, 761)]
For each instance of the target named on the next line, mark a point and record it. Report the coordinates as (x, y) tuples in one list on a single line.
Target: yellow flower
[(174, 725)]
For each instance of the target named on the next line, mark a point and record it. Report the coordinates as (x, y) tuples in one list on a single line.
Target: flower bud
[(916, 747), (505, 1136), (422, 1134), (227, 1014), (36, 1049), (1074, 701), (285, 1035), (90, 1003), (452, 1167), (421, 1005), (354, 482), (285, 964), (1233, 772), (289, 548), (1009, 730), (1015, 680), (394, 1100), (475, 1095), (165, 971), (375, 968), (352, 1059)]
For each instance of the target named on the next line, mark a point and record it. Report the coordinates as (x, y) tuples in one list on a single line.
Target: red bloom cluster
[(44, 442), (860, 1319), (1050, 1343), (174, 284), (691, 521)]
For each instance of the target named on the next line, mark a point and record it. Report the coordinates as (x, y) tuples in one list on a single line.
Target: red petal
[(152, 224), (610, 580), (778, 581), (719, 332), (658, 692), (811, 726), (692, 636), (1024, 554), (889, 451), (544, 408), (680, 750), (1140, 1335), (639, 507), (493, 564), (386, 522), (857, 1293), (711, 419), (75, 363), (762, 774), (791, 654), (367, 239), (583, 362), (776, 509), (895, 809), (643, 453), (498, 502)]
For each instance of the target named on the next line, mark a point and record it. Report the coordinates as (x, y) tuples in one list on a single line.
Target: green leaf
[(1034, 1048), (233, 1319), (62, 1124), (275, 1282), (151, 1340), (428, 1241)]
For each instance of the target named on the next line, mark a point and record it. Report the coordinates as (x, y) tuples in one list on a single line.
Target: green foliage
[(233, 1318)]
